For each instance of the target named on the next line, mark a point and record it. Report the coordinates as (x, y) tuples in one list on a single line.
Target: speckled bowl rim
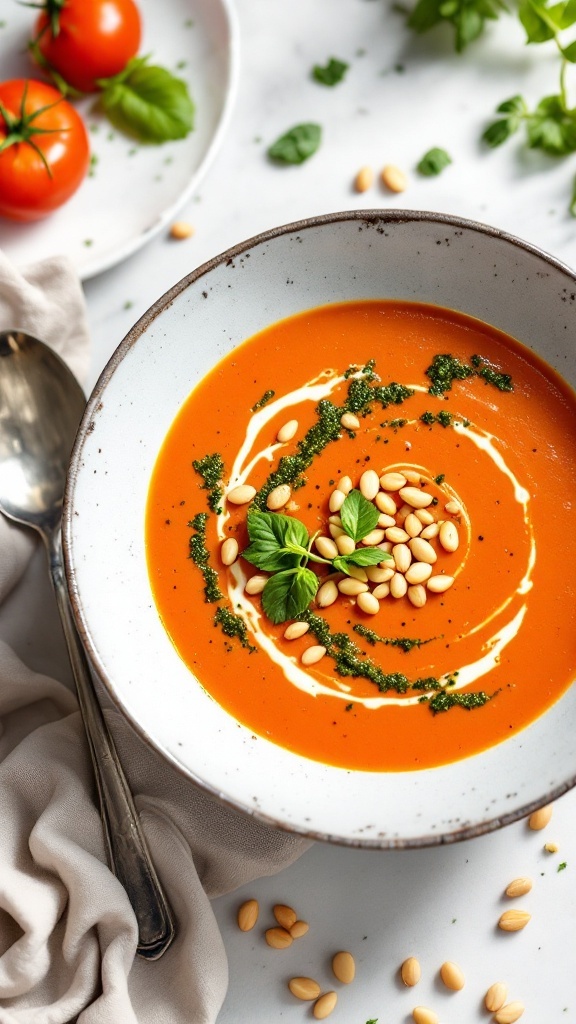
[(370, 218)]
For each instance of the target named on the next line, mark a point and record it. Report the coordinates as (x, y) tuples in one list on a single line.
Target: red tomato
[(38, 172), (84, 40)]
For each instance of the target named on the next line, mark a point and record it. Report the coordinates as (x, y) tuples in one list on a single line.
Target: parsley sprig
[(281, 545)]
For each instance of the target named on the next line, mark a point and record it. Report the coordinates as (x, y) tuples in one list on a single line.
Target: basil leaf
[(572, 206), (497, 132), (552, 128), (433, 162), (362, 556), (332, 73), (536, 25), (297, 144), (269, 533), (359, 516), (148, 102), (425, 15), (289, 593), (515, 105)]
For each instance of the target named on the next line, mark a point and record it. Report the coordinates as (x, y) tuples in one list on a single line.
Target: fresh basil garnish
[(148, 102), (297, 144), (359, 516), (287, 594)]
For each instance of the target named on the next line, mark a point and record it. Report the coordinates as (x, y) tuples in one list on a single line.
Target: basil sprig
[(148, 102), (281, 545)]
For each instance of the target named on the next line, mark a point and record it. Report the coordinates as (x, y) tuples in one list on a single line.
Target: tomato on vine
[(82, 41), (44, 149)]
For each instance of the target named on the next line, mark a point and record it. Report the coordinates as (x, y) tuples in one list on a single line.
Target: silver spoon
[(41, 405)]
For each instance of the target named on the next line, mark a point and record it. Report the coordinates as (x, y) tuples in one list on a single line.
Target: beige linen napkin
[(67, 931)]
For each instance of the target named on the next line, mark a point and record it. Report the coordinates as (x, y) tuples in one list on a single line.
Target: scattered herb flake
[(433, 162), (332, 73), (562, 866), (263, 401)]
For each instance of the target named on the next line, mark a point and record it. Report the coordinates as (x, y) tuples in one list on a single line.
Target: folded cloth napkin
[(67, 931)]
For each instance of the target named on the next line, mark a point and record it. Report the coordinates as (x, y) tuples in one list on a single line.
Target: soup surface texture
[(392, 587)]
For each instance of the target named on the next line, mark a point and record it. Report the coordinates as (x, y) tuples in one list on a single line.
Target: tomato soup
[(360, 535)]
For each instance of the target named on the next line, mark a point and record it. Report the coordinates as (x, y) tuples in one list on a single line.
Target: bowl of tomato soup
[(318, 528)]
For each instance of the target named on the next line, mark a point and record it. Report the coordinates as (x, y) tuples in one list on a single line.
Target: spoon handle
[(128, 853)]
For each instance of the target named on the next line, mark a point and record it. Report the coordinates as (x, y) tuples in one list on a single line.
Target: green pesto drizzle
[(405, 643), (502, 381), (444, 418), (200, 555), (233, 625), (263, 401), (211, 469), (445, 701), (445, 369)]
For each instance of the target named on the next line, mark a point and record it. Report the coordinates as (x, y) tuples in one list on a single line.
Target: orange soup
[(360, 535)]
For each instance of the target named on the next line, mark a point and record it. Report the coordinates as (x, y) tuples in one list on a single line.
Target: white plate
[(134, 190)]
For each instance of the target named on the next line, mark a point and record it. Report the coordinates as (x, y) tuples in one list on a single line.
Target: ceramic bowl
[(366, 254)]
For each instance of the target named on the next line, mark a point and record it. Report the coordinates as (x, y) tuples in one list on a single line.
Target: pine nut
[(422, 550), (397, 535), (335, 531), (402, 513), (540, 818), (336, 500), (285, 916), (295, 630), (551, 847), (412, 525), (327, 594), (352, 587), (326, 547), (410, 971), (452, 507), (241, 495), (418, 572), (415, 497), (345, 544), (324, 1005), (513, 920), (510, 1013), (384, 520), (452, 976), (368, 603), (336, 520), (448, 536), (298, 929), (412, 476), (392, 481), (349, 421), (345, 485), (430, 531), (377, 575), (424, 516), (288, 431), (402, 557), (381, 591), (313, 654), (247, 915), (344, 967), (422, 1015), (439, 584), (369, 484), (255, 585), (278, 497), (386, 547), (358, 573), (180, 230), (519, 887), (364, 179), (304, 988), (398, 585), (373, 538), (495, 996), (229, 551), (278, 938), (385, 503), (417, 595), (394, 179)]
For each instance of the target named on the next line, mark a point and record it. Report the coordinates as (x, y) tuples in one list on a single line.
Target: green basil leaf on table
[(270, 533), (433, 162), (297, 144), (359, 516), (287, 594), (332, 73), (148, 102)]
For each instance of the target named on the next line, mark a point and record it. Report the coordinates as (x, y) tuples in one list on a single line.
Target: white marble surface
[(439, 904)]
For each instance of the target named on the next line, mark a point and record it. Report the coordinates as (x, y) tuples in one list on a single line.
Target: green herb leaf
[(515, 105), (536, 21), (297, 144), (569, 52), (433, 162), (270, 534), (148, 103), (572, 206), (359, 516), (552, 128), (362, 556), (332, 73), (287, 594), (425, 15)]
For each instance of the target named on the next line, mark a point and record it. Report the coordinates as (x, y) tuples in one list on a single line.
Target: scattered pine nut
[(229, 551), (364, 179), (378, 575), (424, 516), (394, 179), (298, 929), (509, 1013), (412, 525), (540, 818), (495, 996), (519, 887), (448, 536), (422, 1015), (327, 594), (385, 503), (373, 538), (344, 967), (336, 500), (430, 531), (287, 431), (278, 938), (349, 421), (410, 971), (439, 584), (551, 847), (397, 535), (402, 557), (335, 531), (358, 573), (398, 585), (345, 544), (248, 915), (279, 497), (304, 988), (452, 507), (422, 550), (384, 521), (345, 485), (241, 494), (326, 547), (381, 591), (418, 572), (417, 595), (369, 484), (352, 587), (336, 520), (412, 476), (452, 976), (402, 513), (255, 585), (180, 229), (285, 916), (416, 497), (313, 654), (514, 920), (369, 604), (324, 1005), (392, 481), (295, 630)]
